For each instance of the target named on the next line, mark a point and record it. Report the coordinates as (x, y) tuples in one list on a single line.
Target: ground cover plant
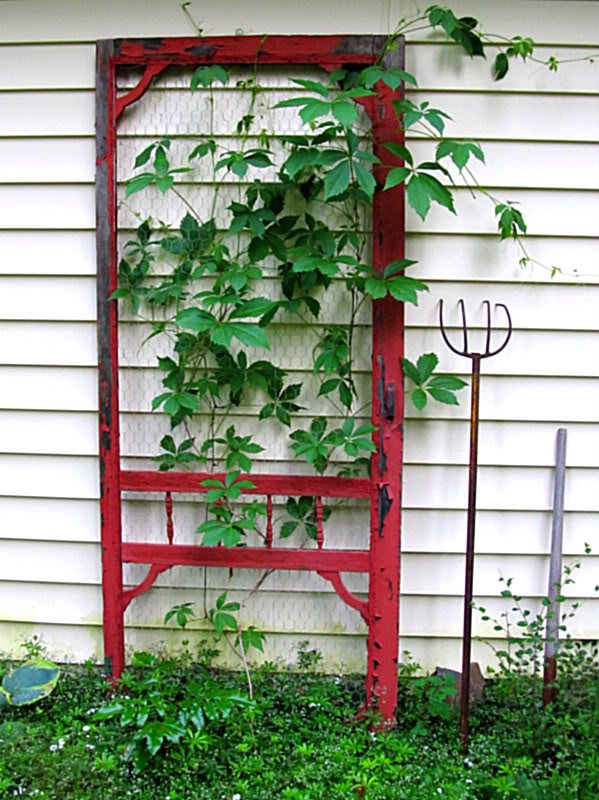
[(182, 730)]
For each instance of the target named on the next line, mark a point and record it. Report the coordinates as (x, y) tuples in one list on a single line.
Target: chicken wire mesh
[(288, 601)]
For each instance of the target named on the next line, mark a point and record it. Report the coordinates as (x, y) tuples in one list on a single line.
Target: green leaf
[(337, 180), (418, 196), (447, 382), (167, 443), (442, 395), (250, 334), (345, 112), (30, 682), (195, 319), (365, 179), (501, 66), (313, 86), (144, 156), (255, 307), (396, 176), (206, 75), (395, 77), (400, 151), (405, 289), (437, 192), (164, 183), (314, 109), (376, 288), (161, 164), (418, 397), (398, 265), (410, 371), (138, 183), (426, 365), (345, 395)]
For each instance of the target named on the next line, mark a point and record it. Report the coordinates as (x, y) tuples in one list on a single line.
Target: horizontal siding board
[(58, 66), (63, 113), (477, 115), (554, 307), (545, 212), (49, 388), (546, 165), (432, 486), (443, 66), (47, 207), (510, 532), (485, 259), (452, 257), (437, 65), (46, 160), (75, 477), (507, 164), (571, 21), (424, 531), (568, 213), (39, 298), (444, 575), (428, 441), (49, 433), (500, 488), (421, 615), (39, 252), (516, 117), (48, 343), (503, 398), (507, 398), (569, 353), (50, 519), (435, 575)]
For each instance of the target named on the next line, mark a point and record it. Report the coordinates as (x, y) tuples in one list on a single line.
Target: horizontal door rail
[(245, 557), (294, 485)]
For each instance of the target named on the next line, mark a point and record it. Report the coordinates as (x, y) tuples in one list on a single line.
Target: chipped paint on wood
[(381, 560)]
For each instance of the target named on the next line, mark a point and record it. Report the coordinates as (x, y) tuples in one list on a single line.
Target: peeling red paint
[(381, 560)]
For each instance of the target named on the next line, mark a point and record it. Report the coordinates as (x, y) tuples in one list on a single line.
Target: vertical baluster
[(170, 528), (319, 530), (269, 520)]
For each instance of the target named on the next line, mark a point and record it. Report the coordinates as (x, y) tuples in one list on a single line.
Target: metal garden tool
[(476, 358)]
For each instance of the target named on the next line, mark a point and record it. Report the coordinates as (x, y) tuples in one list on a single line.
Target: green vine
[(302, 234)]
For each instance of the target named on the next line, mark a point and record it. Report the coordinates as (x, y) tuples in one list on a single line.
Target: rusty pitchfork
[(476, 358)]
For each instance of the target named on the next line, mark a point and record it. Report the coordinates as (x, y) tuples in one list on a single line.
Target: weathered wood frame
[(382, 560)]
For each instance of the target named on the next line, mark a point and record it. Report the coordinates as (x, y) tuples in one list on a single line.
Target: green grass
[(301, 740)]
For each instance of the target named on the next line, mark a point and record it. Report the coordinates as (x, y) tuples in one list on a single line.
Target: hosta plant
[(28, 683)]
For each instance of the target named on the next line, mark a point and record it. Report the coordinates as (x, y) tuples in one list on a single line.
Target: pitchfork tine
[(488, 343), (509, 332), (465, 326), (443, 334)]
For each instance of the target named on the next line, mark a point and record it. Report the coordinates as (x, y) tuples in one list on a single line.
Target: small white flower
[(60, 744), (86, 728), (53, 748), (90, 746), (468, 780), (91, 711), (236, 797)]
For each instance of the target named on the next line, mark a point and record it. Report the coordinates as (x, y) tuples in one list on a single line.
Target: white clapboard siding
[(540, 133), (570, 21), (43, 252), (507, 164)]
